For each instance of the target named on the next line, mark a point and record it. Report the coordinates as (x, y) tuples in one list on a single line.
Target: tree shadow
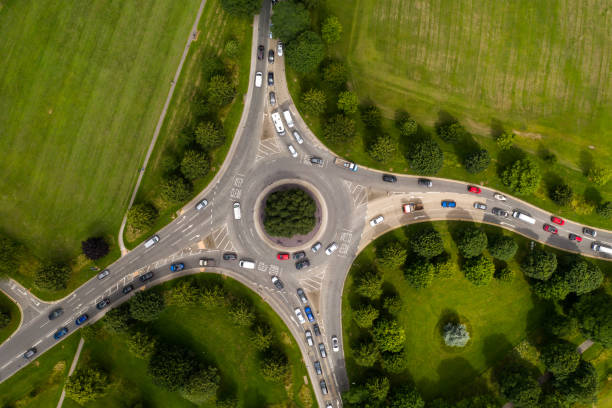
[(586, 161), (506, 157), (445, 118), (497, 128), (593, 195), (495, 346), (551, 180), (447, 316)]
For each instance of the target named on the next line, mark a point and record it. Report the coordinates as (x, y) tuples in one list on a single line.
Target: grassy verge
[(216, 28), (7, 305)]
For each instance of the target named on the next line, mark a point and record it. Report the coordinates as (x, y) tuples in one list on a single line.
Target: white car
[(331, 248), (335, 344), (297, 137), (202, 204), (499, 197), (258, 79), (292, 151), (299, 315), (375, 221), (279, 49), (480, 206), (309, 338)]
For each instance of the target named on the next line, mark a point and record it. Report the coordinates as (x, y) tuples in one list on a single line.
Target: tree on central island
[(289, 212)]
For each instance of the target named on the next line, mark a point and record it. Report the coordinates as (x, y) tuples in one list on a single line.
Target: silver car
[(316, 247), (272, 99), (302, 295), (201, 205), (309, 338), (292, 150), (103, 274), (297, 137), (331, 248), (480, 206)]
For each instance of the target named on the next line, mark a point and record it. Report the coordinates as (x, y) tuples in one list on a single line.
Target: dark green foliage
[(8, 256), (117, 320), (445, 265), (306, 53), (425, 157), (289, 20), (581, 275), (366, 354), (428, 243), (86, 384), (241, 313), (477, 161), (141, 344), (451, 132), (339, 129), (221, 91), (275, 366), (355, 395), (241, 7), (194, 165), (52, 276), (472, 242), (505, 274), (314, 101), (562, 326), (579, 386), (141, 216), (369, 285), (95, 248), (479, 270), (261, 339), (331, 30), (5, 318), (392, 256), (420, 273), (365, 315), (503, 247), (519, 387), (389, 336), (409, 128), (335, 74), (394, 363), (348, 102), (383, 148), (406, 397), (371, 117), (146, 305), (478, 401), (549, 157), (562, 194), (605, 209), (522, 177), (539, 264), (171, 367), (378, 388), (594, 314), (175, 189), (202, 386), (209, 135), (393, 304), (560, 358), (289, 212), (554, 288)]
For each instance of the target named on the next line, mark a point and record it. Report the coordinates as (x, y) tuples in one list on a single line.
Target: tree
[(194, 165), (52, 276), (560, 358), (232, 48), (392, 256), (479, 270), (141, 216), (289, 212), (455, 334), (445, 265), (522, 176), (428, 243), (172, 366), (393, 304), (371, 117), (339, 129), (305, 54), (594, 314), (383, 149), (420, 273), (477, 161), (406, 397), (366, 354), (117, 320), (335, 74), (95, 248), (5, 318), (241, 313), (478, 401), (505, 274), (8, 255), (185, 293), (331, 30), (241, 7), (141, 344), (605, 209), (221, 91), (202, 386), (314, 101), (554, 288), (365, 315), (451, 132), (261, 338), (348, 102), (394, 363), (213, 296), (209, 135), (503, 247), (562, 194), (600, 175), (146, 305), (175, 189), (579, 386), (408, 128), (378, 388), (539, 264), (289, 20), (505, 140), (581, 275), (275, 366), (425, 157), (389, 336), (86, 384), (562, 326), (369, 285), (517, 385), (472, 242)]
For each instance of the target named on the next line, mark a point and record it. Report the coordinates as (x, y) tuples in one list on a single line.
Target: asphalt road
[(258, 158)]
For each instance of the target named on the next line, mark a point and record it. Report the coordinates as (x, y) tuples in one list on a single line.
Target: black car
[(315, 328), (302, 264), (316, 160), (277, 282), (127, 289), (323, 387), (589, 231), (271, 56), (425, 182), (389, 178), (499, 212), (270, 78), (55, 313), (103, 303), (299, 255), (260, 52), (28, 354), (317, 367), (146, 276), (230, 256)]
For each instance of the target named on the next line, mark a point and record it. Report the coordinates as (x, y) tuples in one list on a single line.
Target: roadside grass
[(213, 337), (11, 307), (216, 28), (500, 316), (81, 88), (40, 384)]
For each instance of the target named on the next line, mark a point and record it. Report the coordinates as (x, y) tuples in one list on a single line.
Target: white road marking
[(89, 291), (4, 366), (37, 343), (46, 323), (190, 225), (505, 223)]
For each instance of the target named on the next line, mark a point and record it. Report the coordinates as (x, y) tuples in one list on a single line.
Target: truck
[(288, 118), (278, 123), (412, 207), (598, 247), (346, 164), (523, 217)]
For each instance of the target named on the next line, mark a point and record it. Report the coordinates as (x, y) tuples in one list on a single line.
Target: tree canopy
[(289, 212), (52, 276), (194, 165), (428, 243), (86, 384), (472, 241), (479, 270), (477, 161), (335, 74), (420, 273), (146, 305), (221, 91), (425, 157), (209, 135), (383, 148), (562, 194), (141, 216), (522, 176), (455, 334), (519, 387), (581, 275), (331, 29), (369, 284), (365, 315), (594, 314), (95, 248), (339, 129), (348, 102), (503, 247), (241, 7), (306, 53), (539, 264), (392, 256), (289, 20), (314, 101), (171, 367), (560, 358), (175, 189), (389, 336)]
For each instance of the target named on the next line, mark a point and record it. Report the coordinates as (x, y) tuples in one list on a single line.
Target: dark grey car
[(317, 367), (272, 99), (55, 313), (270, 78)]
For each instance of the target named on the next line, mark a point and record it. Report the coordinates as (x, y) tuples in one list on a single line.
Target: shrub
[(289, 212), (141, 217), (420, 274), (505, 274), (366, 354), (141, 344), (314, 101), (335, 74), (52, 276), (472, 242), (428, 244), (394, 363), (95, 248), (451, 132), (455, 334), (522, 176), (477, 161), (383, 149), (175, 189), (560, 358), (369, 285), (348, 102), (539, 264), (600, 175), (194, 165), (371, 117), (339, 129), (425, 157), (392, 256), (505, 140), (479, 270), (331, 30), (209, 135), (275, 366), (86, 384), (605, 209), (503, 247), (389, 336), (305, 54), (561, 194), (289, 20), (232, 48), (146, 305), (221, 91)]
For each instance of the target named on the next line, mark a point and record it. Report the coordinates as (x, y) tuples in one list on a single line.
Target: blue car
[(81, 319), (309, 314), (60, 333), (177, 267), (449, 204)]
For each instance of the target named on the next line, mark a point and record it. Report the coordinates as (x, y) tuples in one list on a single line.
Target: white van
[(523, 217), (258, 79), (278, 123), (288, 118), (246, 264), (597, 247), (237, 213), (151, 241)]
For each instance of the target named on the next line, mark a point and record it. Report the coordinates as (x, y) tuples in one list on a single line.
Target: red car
[(574, 237), (550, 228), (474, 189), (557, 220), (282, 257)]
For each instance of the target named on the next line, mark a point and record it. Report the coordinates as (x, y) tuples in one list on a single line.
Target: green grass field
[(8, 305), (81, 88)]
